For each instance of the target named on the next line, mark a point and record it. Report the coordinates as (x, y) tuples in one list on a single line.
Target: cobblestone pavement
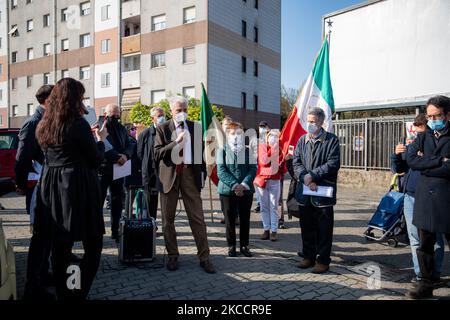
[(272, 274)]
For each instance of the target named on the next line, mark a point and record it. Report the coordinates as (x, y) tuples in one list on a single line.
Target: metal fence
[(368, 143)]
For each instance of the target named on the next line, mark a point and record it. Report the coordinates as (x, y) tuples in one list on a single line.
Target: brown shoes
[(273, 236), (320, 268), (208, 267), (305, 264), (265, 235), (172, 264)]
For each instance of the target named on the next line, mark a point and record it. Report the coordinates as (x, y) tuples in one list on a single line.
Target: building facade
[(136, 50)]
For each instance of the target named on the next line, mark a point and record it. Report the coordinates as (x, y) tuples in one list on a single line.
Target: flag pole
[(210, 200)]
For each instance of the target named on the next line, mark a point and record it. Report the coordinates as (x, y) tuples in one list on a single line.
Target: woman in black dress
[(70, 190)]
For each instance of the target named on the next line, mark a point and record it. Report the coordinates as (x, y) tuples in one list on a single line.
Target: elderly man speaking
[(179, 150), (316, 163)]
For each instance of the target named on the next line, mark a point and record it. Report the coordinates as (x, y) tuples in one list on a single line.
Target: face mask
[(312, 128), (235, 141), (436, 125), (113, 121), (273, 140), (133, 133), (181, 117), (262, 132), (160, 120)]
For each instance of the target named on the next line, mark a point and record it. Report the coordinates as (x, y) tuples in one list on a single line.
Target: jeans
[(413, 235), (269, 198)]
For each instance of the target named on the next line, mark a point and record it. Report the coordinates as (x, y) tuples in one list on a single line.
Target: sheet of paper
[(122, 171), (325, 192)]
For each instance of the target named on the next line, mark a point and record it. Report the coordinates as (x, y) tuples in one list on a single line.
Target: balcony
[(131, 44), (131, 79), (131, 8)]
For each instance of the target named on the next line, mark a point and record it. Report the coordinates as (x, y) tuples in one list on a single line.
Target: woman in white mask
[(236, 170), (268, 176)]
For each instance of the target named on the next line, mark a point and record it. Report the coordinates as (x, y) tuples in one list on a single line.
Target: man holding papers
[(316, 164), (110, 170)]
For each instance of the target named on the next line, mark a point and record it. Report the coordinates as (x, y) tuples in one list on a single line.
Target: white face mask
[(235, 141), (181, 117), (312, 128), (262, 132)]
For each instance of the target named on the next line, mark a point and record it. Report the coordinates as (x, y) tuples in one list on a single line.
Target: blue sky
[(302, 36)]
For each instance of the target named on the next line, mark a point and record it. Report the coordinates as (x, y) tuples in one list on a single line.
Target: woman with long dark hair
[(70, 190)]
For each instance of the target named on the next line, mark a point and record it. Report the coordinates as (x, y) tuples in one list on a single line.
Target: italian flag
[(316, 92), (213, 136)]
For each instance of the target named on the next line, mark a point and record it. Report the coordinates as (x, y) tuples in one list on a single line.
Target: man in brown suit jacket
[(179, 150)]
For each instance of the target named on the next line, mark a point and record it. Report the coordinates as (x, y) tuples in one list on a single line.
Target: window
[(106, 80), (29, 1), (189, 55), (159, 60), (255, 68), (46, 49), (14, 32), (64, 73), (189, 92), (29, 81), (106, 13), (85, 73), (256, 34), (244, 29), (85, 8), (64, 44), (1, 69), (244, 100), (30, 25), (14, 83), (1, 119), (14, 57), (1, 94), (46, 20), (15, 110), (13, 4), (85, 40), (64, 15), (189, 15), (158, 95), (256, 4), (46, 78), (30, 54), (244, 65), (0, 43), (106, 45), (255, 102), (159, 22), (30, 109)]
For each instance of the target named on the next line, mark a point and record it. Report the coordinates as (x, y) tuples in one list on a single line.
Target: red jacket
[(266, 169)]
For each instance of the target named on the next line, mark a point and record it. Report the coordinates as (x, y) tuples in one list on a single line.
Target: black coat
[(432, 204), (122, 144), (323, 167), (28, 149), (146, 154), (70, 188), (163, 152)]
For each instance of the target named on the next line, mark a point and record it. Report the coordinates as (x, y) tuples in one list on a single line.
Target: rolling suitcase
[(137, 235)]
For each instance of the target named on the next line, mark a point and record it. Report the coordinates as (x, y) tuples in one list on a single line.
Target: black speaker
[(137, 240)]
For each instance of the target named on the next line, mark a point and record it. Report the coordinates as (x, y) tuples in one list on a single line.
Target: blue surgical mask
[(437, 125)]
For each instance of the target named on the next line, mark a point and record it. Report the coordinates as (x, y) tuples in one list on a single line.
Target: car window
[(8, 141)]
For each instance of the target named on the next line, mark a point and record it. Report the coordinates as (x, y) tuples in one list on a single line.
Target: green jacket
[(235, 169)]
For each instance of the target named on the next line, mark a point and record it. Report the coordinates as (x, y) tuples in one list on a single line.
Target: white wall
[(394, 51), (108, 24), (110, 91)]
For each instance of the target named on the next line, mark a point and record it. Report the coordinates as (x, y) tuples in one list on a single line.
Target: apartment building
[(137, 50)]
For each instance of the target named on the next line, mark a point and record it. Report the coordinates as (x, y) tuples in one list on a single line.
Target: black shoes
[(258, 208), (208, 267), (422, 289), (246, 252), (172, 264), (232, 252)]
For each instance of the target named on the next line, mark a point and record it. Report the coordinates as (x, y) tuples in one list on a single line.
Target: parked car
[(9, 142), (8, 289)]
